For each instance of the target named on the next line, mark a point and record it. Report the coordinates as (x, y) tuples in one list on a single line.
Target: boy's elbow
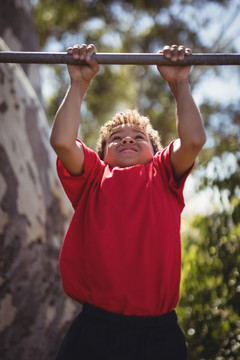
[(199, 141), (194, 143), (202, 139), (56, 143), (53, 141)]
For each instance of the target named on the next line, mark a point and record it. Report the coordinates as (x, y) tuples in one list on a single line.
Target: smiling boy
[(128, 145), (121, 257)]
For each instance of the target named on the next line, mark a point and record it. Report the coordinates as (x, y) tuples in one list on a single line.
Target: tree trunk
[(18, 31), (34, 214)]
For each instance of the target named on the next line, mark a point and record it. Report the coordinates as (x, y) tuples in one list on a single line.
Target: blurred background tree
[(209, 305), (210, 297)]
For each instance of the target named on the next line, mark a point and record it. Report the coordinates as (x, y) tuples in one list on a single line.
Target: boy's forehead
[(130, 127)]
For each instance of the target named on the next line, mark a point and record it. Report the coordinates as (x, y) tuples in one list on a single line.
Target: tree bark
[(18, 31), (34, 215)]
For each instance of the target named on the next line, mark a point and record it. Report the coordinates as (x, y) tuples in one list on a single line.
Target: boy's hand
[(83, 72), (175, 73)]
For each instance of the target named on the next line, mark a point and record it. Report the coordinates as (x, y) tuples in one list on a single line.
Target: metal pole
[(118, 59)]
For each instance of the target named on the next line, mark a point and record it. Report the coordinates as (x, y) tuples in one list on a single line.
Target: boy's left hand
[(175, 73)]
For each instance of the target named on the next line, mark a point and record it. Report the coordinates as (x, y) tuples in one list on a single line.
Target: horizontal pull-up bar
[(117, 59)]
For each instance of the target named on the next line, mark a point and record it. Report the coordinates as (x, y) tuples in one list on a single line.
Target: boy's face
[(128, 145)]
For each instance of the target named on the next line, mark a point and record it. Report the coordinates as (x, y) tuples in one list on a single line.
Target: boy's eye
[(116, 138), (139, 137)]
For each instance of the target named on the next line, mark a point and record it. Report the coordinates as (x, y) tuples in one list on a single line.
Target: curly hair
[(127, 117)]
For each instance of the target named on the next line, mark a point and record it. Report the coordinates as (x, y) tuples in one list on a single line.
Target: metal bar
[(118, 59)]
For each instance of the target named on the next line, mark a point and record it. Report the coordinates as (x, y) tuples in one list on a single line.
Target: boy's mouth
[(128, 149)]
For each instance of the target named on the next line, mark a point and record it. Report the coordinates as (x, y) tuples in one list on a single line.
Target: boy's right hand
[(83, 72)]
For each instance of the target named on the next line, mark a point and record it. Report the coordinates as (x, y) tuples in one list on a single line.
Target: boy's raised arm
[(188, 119), (67, 120)]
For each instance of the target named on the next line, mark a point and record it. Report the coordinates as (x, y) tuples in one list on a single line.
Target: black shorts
[(97, 334)]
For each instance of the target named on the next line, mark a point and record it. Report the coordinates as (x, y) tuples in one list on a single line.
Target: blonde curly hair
[(127, 117)]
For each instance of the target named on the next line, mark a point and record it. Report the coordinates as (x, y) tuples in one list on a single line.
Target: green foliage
[(209, 308)]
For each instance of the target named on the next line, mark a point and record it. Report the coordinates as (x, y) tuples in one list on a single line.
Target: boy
[(121, 256)]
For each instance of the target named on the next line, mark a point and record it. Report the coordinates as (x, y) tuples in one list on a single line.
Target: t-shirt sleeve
[(74, 185), (164, 163)]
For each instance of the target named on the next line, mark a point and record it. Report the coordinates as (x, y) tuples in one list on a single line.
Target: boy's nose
[(127, 140)]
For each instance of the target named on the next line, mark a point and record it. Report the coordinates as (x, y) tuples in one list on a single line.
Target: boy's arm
[(67, 120), (188, 119)]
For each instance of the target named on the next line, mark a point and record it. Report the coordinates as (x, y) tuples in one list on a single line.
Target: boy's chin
[(125, 164)]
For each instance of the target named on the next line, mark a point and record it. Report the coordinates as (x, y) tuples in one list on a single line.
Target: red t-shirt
[(122, 249)]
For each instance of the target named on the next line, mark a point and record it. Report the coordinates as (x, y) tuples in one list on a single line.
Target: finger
[(167, 51), (93, 64), (91, 49), (174, 53), (79, 51), (82, 51), (75, 51), (188, 51), (181, 52), (69, 50)]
